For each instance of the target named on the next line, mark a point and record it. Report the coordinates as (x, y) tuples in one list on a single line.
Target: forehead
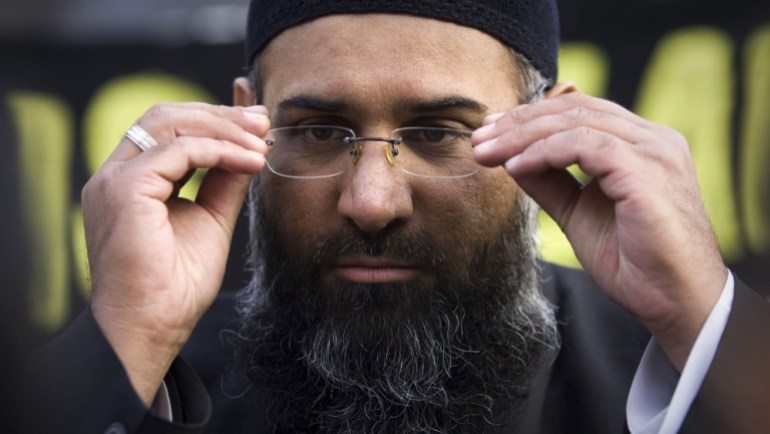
[(366, 56)]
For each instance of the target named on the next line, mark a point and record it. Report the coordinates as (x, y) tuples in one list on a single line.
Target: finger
[(199, 123), (238, 114), (165, 122), (492, 118), (576, 99), (222, 194), (581, 103), (204, 124), (243, 116), (178, 185), (598, 154), (157, 171), (517, 137), (555, 191)]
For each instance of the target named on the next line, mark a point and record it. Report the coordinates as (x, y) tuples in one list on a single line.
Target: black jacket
[(80, 385)]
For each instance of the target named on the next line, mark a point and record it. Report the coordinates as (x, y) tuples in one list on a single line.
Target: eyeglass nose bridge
[(356, 149)]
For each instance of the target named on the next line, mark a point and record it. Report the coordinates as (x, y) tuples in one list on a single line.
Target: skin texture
[(374, 195), (157, 261), (639, 226), (387, 348)]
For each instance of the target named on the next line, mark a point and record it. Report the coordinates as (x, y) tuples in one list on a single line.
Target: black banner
[(702, 67)]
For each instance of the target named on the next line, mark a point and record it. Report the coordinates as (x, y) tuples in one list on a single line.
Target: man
[(395, 285)]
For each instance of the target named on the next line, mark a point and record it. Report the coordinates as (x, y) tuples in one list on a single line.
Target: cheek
[(497, 193), (472, 211), (299, 212)]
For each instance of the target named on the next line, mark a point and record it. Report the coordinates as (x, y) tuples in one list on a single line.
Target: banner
[(701, 67)]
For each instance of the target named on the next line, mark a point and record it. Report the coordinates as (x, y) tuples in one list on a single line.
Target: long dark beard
[(450, 355)]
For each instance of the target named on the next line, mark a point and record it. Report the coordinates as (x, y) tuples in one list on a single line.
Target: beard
[(450, 353)]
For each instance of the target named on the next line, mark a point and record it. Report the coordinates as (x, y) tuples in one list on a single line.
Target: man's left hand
[(638, 227)]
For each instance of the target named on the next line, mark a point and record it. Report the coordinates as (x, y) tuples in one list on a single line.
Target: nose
[(374, 194)]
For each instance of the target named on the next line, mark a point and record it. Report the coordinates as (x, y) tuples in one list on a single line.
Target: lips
[(370, 269)]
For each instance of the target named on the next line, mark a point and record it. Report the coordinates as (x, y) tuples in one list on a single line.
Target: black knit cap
[(531, 27)]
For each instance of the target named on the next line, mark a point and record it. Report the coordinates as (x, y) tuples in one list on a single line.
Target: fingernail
[(256, 109), (256, 113), (255, 116), (257, 143), (485, 129), (484, 147), (481, 133), (257, 157), (261, 121), (493, 117), (512, 163)]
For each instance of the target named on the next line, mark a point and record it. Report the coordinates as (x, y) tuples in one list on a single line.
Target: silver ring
[(141, 138)]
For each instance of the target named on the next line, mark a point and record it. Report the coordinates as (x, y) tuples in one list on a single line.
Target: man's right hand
[(157, 261)]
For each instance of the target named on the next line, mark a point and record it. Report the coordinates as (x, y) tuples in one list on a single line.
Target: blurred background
[(75, 74)]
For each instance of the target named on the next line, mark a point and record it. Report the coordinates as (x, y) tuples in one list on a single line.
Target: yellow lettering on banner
[(755, 141), (587, 66), (111, 112), (688, 86), (45, 141), (121, 101)]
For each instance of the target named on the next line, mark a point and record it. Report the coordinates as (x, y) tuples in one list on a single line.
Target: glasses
[(324, 151)]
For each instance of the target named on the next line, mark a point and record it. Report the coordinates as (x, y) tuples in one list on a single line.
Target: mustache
[(417, 246)]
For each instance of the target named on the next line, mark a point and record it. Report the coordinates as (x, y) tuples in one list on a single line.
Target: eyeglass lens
[(320, 151)]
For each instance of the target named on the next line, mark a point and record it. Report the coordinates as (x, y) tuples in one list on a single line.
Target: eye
[(434, 142), (322, 133), (433, 135), (318, 140)]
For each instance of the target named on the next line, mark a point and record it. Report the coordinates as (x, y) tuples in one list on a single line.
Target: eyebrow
[(412, 105), (443, 103), (311, 103)]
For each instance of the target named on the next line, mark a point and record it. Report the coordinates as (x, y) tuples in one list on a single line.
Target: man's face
[(375, 73), (383, 300)]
